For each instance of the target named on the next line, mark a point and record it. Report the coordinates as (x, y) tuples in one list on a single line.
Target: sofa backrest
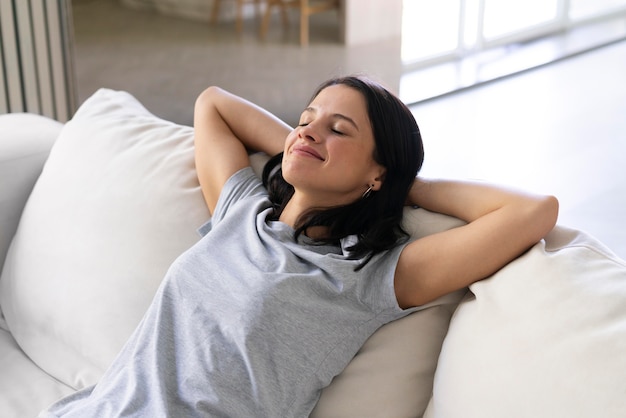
[(25, 142)]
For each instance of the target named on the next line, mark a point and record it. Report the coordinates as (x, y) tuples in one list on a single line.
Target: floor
[(558, 129)]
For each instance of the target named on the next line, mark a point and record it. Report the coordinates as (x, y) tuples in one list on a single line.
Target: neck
[(292, 213)]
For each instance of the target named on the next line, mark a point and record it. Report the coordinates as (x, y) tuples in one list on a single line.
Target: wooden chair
[(239, 20), (307, 8)]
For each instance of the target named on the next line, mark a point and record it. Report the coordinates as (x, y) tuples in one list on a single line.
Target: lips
[(307, 151)]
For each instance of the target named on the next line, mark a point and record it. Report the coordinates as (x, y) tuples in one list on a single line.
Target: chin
[(293, 172)]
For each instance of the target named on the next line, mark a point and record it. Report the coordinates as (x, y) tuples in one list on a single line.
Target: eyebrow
[(335, 115)]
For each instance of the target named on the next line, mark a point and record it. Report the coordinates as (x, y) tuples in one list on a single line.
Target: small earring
[(368, 192)]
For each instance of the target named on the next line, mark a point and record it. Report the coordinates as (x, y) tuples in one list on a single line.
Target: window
[(431, 34), (445, 29), (513, 16), (453, 44), (586, 9)]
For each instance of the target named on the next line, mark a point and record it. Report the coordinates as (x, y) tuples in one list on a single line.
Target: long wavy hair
[(375, 219)]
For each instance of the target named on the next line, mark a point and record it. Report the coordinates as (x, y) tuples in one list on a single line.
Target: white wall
[(371, 20)]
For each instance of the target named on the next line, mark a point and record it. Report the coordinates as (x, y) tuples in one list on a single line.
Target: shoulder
[(243, 184), (376, 279)]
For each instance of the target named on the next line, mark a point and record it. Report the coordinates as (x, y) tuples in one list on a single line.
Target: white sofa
[(117, 200)]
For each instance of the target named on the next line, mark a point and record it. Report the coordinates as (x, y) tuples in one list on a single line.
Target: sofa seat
[(23, 385)]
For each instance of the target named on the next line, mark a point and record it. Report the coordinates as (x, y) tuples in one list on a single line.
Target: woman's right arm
[(502, 223), (226, 127)]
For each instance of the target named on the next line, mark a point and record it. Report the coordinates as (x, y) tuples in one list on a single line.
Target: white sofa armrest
[(25, 142)]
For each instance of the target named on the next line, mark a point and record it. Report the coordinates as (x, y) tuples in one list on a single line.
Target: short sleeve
[(244, 183), (378, 284)]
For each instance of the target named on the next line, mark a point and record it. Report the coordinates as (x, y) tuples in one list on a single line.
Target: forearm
[(501, 224), (470, 200), (256, 128)]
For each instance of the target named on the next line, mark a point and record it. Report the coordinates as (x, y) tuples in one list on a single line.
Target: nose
[(308, 132)]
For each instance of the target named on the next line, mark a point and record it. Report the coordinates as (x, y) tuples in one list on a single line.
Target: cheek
[(290, 172), (357, 153), (291, 138)]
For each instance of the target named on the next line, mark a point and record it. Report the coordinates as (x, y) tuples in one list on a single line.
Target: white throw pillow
[(117, 201), (543, 337)]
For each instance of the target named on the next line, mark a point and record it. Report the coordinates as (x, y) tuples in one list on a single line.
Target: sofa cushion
[(117, 201), (543, 337), (24, 387), (25, 141)]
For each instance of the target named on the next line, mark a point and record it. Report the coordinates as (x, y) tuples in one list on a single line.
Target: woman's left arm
[(501, 225)]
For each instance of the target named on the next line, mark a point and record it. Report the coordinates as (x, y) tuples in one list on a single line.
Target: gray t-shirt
[(247, 322)]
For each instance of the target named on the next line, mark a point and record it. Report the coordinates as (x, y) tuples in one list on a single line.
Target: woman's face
[(329, 155)]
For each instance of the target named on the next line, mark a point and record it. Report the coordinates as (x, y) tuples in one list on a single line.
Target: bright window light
[(429, 28), (581, 9), (510, 16), (448, 29)]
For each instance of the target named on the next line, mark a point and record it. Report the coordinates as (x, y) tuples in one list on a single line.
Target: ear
[(379, 178)]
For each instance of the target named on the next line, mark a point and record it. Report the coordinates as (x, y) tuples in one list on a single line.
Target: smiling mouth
[(306, 151)]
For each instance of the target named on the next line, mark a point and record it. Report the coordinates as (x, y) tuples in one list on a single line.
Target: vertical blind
[(36, 58)]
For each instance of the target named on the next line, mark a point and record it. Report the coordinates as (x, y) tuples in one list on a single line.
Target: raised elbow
[(207, 96), (546, 213)]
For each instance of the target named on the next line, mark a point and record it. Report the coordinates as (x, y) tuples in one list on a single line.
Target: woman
[(295, 273)]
